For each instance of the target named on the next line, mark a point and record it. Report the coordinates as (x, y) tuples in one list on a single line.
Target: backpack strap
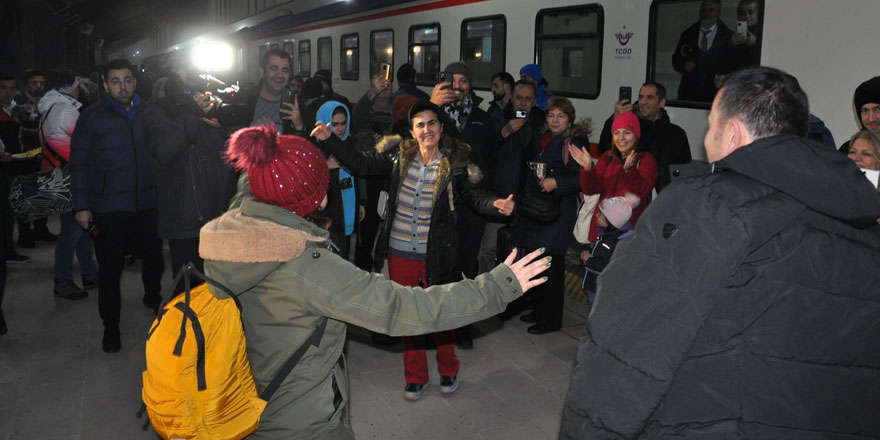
[(314, 339), (61, 161), (188, 314)]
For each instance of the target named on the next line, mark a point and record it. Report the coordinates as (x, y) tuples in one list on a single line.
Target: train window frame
[(599, 36), (318, 58), (374, 67), (477, 84), (349, 75), (307, 43), (411, 46), (672, 83), (288, 46)]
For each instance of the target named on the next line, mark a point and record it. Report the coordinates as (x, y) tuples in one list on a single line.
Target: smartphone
[(742, 28), (520, 114), (288, 96), (445, 77), (385, 71), (626, 93)]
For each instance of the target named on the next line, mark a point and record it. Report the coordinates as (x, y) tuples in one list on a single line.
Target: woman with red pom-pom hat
[(271, 249)]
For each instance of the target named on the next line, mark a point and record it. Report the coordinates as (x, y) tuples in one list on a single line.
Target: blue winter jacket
[(110, 162)]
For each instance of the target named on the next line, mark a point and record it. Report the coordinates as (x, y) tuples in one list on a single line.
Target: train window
[(381, 50), (483, 42), (325, 54), (424, 52), (275, 46), (288, 47), (686, 56), (568, 47), (263, 49), (348, 57), (304, 56)]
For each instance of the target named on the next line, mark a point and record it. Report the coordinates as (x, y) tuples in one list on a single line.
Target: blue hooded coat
[(349, 199)]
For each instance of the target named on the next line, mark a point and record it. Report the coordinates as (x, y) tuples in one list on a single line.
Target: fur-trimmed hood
[(237, 238), (455, 154)]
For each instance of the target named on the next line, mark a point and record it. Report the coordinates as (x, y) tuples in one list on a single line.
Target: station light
[(212, 57)]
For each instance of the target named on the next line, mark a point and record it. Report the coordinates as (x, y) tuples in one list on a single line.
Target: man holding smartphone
[(267, 105)]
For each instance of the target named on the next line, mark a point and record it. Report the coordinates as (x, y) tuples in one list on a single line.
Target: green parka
[(288, 280)]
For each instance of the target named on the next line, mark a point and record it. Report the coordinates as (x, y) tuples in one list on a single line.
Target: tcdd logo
[(623, 37)]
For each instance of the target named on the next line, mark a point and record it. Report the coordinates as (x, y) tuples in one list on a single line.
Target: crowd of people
[(441, 191)]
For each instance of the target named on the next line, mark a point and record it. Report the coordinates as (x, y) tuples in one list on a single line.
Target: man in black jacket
[(746, 304), (667, 142)]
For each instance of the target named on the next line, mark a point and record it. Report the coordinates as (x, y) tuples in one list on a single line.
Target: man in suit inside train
[(702, 52)]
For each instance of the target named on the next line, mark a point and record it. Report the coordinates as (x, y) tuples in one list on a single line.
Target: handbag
[(44, 193), (536, 205), (581, 230)]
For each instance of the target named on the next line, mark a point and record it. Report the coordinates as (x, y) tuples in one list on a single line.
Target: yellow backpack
[(198, 382)]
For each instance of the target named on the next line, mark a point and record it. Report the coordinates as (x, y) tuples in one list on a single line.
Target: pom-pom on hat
[(627, 121), (618, 210), (285, 171)]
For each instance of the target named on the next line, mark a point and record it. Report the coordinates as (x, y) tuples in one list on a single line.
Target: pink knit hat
[(285, 171), (627, 121), (618, 210)]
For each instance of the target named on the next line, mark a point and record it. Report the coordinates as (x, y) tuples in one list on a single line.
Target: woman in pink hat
[(621, 170)]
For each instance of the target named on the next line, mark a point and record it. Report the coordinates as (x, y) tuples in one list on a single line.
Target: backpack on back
[(198, 382)]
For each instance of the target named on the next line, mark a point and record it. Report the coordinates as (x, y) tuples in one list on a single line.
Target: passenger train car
[(587, 50)]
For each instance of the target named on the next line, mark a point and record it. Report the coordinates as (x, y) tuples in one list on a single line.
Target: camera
[(520, 114)]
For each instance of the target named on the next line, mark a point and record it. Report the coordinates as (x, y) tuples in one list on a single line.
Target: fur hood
[(456, 154), (238, 238)]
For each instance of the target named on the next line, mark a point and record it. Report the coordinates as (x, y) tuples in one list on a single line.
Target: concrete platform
[(57, 384)]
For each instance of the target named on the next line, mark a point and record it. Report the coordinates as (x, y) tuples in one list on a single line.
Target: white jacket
[(58, 124)]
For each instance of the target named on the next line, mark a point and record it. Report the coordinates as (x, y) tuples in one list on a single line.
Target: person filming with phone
[(516, 125)]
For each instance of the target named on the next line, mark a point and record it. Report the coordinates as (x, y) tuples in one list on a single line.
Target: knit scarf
[(460, 110)]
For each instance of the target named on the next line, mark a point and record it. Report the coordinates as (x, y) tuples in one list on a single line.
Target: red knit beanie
[(627, 121), (285, 171)]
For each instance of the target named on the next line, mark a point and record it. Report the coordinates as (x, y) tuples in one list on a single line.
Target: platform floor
[(57, 384)]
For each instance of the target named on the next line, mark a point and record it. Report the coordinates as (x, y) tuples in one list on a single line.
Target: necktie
[(704, 40)]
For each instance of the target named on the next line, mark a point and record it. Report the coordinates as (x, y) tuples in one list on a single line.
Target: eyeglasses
[(433, 123)]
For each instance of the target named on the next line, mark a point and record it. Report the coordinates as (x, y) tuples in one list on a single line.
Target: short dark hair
[(661, 91), (523, 82), (32, 73), (6, 76), (59, 78), (280, 53), (505, 78), (768, 101), (119, 64)]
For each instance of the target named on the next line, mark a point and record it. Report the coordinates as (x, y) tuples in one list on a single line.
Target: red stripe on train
[(392, 13)]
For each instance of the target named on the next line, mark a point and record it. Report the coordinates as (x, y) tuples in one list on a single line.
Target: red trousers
[(415, 361)]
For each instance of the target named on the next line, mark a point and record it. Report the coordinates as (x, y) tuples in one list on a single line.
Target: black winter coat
[(442, 261), (195, 183), (745, 306), (557, 235)]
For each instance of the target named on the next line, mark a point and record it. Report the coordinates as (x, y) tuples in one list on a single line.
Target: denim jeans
[(73, 238)]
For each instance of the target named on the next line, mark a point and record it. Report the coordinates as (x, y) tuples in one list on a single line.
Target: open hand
[(505, 206), (321, 131), (581, 156), (528, 267)]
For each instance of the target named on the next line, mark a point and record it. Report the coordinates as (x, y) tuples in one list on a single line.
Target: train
[(587, 51)]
